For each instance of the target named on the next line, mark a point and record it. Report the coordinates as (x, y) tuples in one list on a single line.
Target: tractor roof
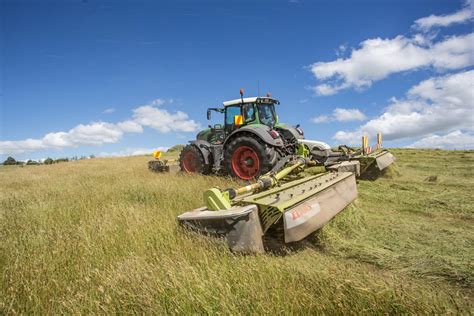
[(252, 100)]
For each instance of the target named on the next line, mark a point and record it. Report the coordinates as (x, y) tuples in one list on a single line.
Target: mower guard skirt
[(315, 212), (384, 160), (240, 226), (373, 164)]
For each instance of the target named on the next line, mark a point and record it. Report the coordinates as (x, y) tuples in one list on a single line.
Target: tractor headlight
[(300, 131)]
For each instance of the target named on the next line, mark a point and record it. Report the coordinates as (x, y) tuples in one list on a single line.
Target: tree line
[(10, 161)]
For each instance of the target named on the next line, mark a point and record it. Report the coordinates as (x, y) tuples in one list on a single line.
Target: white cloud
[(131, 152), (439, 104), (341, 115), (164, 121), (453, 140), (462, 16), (158, 102), (109, 110), (346, 115), (99, 133), (321, 119), (130, 127), (378, 58), (341, 50)]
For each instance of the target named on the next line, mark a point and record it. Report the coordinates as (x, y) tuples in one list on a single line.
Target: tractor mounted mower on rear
[(252, 141)]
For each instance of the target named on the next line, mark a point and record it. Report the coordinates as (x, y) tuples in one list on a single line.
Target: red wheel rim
[(190, 162), (245, 163)]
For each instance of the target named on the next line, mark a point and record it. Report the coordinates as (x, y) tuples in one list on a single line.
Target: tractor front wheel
[(247, 157), (192, 161)]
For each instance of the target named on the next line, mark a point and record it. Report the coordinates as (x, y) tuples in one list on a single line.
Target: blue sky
[(123, 77)]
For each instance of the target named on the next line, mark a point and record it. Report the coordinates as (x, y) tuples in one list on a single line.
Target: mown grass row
[(101, 236)]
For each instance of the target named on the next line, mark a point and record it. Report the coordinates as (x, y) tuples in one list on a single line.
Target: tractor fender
[(204, 148), (262, 132), (296, 133)]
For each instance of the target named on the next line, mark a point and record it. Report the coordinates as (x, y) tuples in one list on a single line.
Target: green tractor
[(252, 141)]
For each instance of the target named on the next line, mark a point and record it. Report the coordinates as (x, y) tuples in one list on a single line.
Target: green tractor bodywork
[(248, 144), (251, 141), (255, 114)]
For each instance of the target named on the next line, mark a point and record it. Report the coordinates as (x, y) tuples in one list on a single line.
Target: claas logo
[(238, 120)]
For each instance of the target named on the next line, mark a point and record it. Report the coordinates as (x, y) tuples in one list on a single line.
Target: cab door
[(233, 119)]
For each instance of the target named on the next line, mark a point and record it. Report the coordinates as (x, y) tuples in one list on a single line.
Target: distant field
[(100, 236)]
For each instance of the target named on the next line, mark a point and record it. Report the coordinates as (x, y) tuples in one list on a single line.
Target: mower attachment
[(301, 205), (384, 159), (159, 165), (374, 163), (373, 160), (239, 225), (314, 213)]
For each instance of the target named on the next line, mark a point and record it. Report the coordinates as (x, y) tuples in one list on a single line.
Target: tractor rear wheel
[(247, 157), (192, 161)]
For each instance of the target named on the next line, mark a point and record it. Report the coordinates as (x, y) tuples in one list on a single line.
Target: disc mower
[(252, 141), (159, 165), (290, 202)]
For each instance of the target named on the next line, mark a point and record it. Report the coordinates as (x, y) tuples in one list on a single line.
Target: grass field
[(100, 236)]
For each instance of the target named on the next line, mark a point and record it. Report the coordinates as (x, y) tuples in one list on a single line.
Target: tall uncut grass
[(100, 236)]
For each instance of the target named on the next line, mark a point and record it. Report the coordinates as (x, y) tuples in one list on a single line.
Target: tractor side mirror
[(208, 115)]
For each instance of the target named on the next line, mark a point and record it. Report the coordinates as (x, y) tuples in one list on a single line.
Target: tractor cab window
[(230, 113), (249, 112), (267, 114)]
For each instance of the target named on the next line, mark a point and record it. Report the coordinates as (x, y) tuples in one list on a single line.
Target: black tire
[(267, 154), (191, 160)]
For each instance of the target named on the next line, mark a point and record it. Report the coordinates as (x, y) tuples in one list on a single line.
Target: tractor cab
[(245, 111), (238, 113)]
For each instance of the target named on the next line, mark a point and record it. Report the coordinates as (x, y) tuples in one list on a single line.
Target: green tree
[(48, 161), (61, 160), (175, 148), (10, 161)]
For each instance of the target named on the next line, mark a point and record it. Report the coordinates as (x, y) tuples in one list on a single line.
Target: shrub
[(10, 161), (61, 160), (175, 148)]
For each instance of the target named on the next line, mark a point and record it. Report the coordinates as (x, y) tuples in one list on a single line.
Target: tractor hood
[(295, 132)]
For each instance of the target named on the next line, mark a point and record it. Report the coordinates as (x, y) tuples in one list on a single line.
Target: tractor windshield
[(267, 114)]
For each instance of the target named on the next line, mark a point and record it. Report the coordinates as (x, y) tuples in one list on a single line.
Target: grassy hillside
[(100, 235)]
